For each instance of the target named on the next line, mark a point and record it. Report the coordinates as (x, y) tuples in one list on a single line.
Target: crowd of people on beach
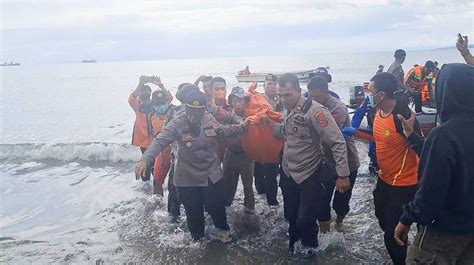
[(202, 146)]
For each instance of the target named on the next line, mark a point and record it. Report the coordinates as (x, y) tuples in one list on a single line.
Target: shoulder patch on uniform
[(211, 121), (321, 118)]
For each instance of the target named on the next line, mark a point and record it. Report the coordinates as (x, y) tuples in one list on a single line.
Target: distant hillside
[(453, 47)]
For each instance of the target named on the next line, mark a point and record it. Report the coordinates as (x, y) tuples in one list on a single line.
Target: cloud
[(68, 30), (172, 16)]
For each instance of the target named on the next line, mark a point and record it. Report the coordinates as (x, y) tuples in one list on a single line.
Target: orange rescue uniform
[(415, 78), (142, 129), (398, 163), (147, 125)]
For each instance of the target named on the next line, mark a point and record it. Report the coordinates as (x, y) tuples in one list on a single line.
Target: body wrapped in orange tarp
[(259, 142)]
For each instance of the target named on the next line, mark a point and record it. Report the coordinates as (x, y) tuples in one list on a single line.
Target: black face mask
[(194, 128), (146, 108)]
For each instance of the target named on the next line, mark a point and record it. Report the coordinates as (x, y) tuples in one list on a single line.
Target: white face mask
[(374, 104)]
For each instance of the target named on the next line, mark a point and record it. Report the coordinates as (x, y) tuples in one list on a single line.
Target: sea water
[(68, 192)]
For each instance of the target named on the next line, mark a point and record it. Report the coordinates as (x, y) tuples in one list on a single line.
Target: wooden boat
[(303, 76)]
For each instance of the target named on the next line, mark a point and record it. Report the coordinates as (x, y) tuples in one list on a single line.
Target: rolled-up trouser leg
[(324, 202), (340, 202), (246, 175)]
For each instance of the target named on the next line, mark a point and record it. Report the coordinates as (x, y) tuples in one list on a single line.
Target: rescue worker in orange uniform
[(416, 79), (140, 102), (161, 101), (397, 160), (427, 88), (147, 124)]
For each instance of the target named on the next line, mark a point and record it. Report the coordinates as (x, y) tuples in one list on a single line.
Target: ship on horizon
[(11, 63), (88, 61)]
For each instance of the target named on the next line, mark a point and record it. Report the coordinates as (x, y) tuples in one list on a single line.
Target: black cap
[(430, 65), (399, 54), (239, 93), (196, 100), (183, 92), (318, 82), (271, 77), (159, 97), (321, 71)]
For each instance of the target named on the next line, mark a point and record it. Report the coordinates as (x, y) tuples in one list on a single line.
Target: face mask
[(195, 129), (378, 102), (162, 109)]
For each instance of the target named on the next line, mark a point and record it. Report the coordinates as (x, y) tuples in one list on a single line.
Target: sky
[(61, 31)]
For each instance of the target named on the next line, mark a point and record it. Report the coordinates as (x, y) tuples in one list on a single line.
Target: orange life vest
[(426, 93), (415, 78), (142, 126), (147, 125)]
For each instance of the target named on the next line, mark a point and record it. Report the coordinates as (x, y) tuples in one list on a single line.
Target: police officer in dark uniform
[(306, 126), (174, 204), (198, 173)]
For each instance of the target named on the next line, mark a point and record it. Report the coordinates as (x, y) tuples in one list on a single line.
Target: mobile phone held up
[(151, 79), (207, 79)]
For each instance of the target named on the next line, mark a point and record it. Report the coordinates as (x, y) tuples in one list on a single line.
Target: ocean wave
[(95, 151)]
